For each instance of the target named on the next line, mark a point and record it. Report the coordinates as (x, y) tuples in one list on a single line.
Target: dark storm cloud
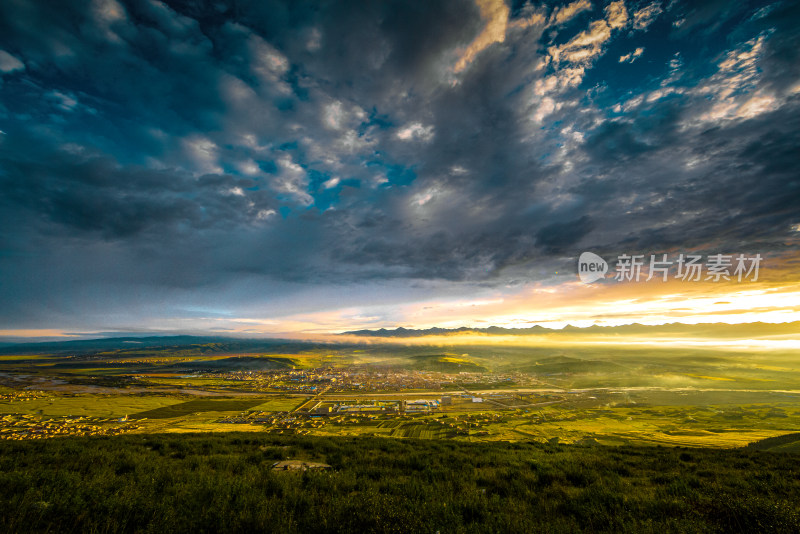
[(97, 196), (555, 238), (781, 62), (738, 184), (246, 149)]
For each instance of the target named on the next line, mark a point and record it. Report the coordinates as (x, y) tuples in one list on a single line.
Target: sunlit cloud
[(646, 16), (495, 16), (631, 57), (563, 14)]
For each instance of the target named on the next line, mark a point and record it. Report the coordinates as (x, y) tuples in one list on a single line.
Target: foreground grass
[(224, 483)]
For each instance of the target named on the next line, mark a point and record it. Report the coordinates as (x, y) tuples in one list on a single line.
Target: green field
[(279, 404), (610, 395), (224, 483), (89, 405), (198, 406)]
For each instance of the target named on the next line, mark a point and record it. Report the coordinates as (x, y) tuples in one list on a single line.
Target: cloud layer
[(165, 159)]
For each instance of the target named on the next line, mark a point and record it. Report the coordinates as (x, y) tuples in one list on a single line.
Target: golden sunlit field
[(599, 395)]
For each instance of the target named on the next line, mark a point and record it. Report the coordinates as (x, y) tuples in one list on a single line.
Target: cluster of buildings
[(24, 395), (16, 427), (358, 379), (376, 407), (375, 415)]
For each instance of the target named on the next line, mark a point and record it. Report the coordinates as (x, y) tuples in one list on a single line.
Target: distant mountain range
[(217, 344), (744, 330), (197, 344)]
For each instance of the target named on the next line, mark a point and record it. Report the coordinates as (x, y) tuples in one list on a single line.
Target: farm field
[(577, 419), (597, 396), (88, 405)]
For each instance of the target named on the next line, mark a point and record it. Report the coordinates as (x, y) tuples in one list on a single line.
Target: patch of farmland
[(280, 404), (88, 405), (423, 431), (199, 405)]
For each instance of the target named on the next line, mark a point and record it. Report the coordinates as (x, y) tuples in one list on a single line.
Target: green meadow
[(225, 483)]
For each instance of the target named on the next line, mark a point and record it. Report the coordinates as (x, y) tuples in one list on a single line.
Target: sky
[(260, 167)]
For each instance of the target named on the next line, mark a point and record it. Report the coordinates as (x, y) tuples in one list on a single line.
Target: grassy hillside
[(445, 363), (213, 483), (785, 443), (565, 364), (234, 363)]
